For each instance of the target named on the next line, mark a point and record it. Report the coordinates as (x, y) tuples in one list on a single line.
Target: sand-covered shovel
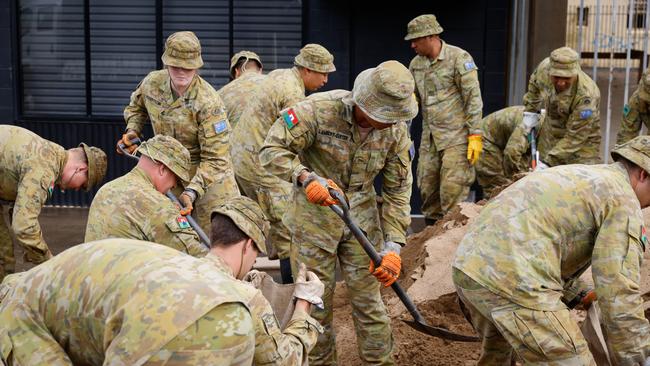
[(342, 209), (190, 220)]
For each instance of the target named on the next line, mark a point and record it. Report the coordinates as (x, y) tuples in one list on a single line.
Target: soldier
[(239, 230), (345, 139), (246, 75), (448, 90), (539, 235), (505, 147), (281, 88), (145, 290), (636, 111), (180, 104), (30, 169), (571, 130), (134, 206)]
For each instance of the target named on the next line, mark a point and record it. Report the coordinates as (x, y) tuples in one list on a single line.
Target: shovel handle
[(205, 240), (343, 211)]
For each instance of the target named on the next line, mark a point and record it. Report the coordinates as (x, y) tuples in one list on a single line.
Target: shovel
[(204, 238), (418, 323)]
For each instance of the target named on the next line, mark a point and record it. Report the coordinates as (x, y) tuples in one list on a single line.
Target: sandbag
[(280, 296)]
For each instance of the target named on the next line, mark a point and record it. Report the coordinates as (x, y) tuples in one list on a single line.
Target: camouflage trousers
[(535, 336), (30, 343), (7, 258), (444, 177), (273, 195), (371, 321), (490, 170)]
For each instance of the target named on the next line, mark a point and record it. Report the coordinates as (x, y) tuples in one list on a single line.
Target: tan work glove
[(309, 287), (126, 141), (187, 200), (474, 148), (317, 190)]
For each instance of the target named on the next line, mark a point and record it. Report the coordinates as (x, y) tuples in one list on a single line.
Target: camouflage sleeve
[(32, 192), (275, 347), (165, 226), (616, 262), (292, 133), (583, 122), (396, 189), (533, 101), (214, 134), (467, 81), (631, 122), (416, 92), (515, 157), (135, 114)]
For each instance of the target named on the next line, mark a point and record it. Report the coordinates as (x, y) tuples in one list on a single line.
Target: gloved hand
[(309, 287), (389, 269), (541, 166), (317, 190), (530, 121), (187, 199), (587, 298), (474, 148), (126, 141)]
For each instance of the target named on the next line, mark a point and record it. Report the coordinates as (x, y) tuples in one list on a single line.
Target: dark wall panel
[(7, 112)]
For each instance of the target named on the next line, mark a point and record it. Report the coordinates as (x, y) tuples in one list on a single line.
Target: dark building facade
[(68, 67)]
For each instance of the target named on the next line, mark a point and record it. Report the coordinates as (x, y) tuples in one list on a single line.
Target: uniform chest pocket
[(376, 162), (441, 85)]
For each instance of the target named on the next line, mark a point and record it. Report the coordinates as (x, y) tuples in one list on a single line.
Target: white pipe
[(608, 125), (628, 51), (594, 72)]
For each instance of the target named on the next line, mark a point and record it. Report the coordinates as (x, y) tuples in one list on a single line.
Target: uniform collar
[(166, 88), (218, 262), (62, 162), (141, 174), (442, 55)]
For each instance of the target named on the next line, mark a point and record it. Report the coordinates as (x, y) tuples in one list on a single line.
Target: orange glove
[(126, 141), (317, 190), (187, 199), (389, 269)]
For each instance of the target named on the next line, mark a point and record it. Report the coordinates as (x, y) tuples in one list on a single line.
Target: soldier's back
[(237, 94)]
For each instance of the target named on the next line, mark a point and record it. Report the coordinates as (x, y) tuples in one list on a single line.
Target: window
[(83, 58)]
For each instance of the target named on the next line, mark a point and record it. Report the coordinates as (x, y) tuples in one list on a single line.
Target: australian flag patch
[(220, 126), (470, 66), (584, 114)]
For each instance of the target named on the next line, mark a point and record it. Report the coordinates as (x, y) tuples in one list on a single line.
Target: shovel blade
[(440, 332)]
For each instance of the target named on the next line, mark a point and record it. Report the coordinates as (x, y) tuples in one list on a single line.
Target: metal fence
[(610, 28)]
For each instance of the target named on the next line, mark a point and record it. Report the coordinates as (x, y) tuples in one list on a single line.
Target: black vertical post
[(305, 22), (159, 34), (231, 29), (89, 96), (16, 59)]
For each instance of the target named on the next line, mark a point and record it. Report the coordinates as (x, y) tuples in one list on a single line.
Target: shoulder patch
[(412, 151), (644, 238), (50, 190), (584, 114), (290, 118), (182, 222), (220, 126), (626, 110), (470, 66)]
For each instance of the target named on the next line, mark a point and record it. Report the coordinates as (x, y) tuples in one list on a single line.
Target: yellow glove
[(474, 148)]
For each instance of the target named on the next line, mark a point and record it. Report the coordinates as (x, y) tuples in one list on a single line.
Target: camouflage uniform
[(322, 131), (281, 88), (536, 237), (197, 119), (505, 145), (131, 207), (571, 131), (636, 111), (127, 302), (30, 168), (237, 93), (449, 94)]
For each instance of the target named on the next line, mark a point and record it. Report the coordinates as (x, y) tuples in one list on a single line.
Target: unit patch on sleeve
[(626, 110), (220, 126), (182, 222), (584, 114), (470, 66), (290, 118)]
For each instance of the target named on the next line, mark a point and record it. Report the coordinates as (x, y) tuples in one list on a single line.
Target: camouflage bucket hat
[(96, 165), (316, 58), (422, 26), (248, 217), (564, 62), (636, 150), (183, 49), (168, 151), (248, 55), (644, 86), (385, 93)]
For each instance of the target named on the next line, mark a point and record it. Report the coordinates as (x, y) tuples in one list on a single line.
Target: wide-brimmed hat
[(183, 49), (97, 162), (168, 151), (316, 58), (422, 26), (248, 217)]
